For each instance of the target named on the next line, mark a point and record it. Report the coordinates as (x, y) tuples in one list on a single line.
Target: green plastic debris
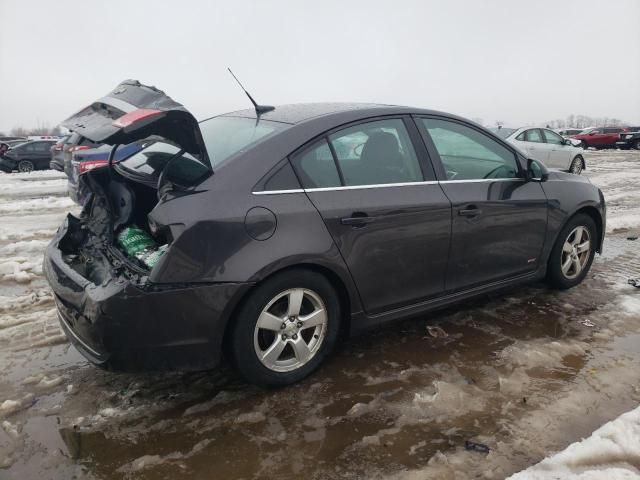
[(134, 241), (151, 258)]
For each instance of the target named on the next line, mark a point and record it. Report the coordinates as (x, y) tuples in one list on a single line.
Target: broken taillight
[(78, 147), (91, 164)]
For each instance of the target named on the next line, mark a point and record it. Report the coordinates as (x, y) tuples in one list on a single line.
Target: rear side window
[(316, 167), (553, 137), (467, 154), (612, 130), (374, 153)]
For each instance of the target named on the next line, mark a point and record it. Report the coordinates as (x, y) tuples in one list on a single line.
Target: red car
[(600, 137)]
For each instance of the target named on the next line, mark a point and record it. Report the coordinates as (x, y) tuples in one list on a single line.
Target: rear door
[(559, 152), (42, 154), (379, 198), (499, 219)]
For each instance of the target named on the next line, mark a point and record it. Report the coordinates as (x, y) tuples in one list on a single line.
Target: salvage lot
[(525, 373)]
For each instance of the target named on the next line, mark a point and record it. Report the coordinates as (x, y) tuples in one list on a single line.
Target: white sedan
[(545, 146)]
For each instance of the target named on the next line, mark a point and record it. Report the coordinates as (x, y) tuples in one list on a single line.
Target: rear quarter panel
[(214, 244)]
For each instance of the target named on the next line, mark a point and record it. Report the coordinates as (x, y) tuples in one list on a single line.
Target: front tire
[(285, 328), (25, 166), (573, 252), (584, 145), (636, 144), (577, 165)]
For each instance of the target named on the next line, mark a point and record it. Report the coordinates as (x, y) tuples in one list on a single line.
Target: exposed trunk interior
[(93, 245)]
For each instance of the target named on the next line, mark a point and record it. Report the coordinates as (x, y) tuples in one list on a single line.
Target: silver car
[(546, 146)]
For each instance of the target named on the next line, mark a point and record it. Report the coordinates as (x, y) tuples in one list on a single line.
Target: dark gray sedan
[(268, 236)]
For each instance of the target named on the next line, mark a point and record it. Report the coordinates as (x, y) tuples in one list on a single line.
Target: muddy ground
[(524, 373)]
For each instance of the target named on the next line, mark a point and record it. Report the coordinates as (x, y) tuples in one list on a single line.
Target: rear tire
[(573, 252), (25, 166), (577, 165), (285, 328)]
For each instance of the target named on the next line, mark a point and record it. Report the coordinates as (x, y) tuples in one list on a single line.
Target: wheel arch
[(344, 296), (592, 212)]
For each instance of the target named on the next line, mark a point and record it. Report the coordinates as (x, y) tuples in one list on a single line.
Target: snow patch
[(612, 452)]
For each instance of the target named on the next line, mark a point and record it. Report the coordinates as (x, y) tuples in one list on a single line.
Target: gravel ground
[(525, 373)]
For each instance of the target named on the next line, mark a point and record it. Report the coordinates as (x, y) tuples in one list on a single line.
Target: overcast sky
[(515, 61)]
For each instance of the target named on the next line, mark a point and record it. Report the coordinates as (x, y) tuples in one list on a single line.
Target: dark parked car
[(28, 156), (629, 139), (86, 159), (600, 137), (57, 154), (268, 236)]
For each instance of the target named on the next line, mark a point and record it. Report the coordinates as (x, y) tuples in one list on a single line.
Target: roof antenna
[(260, 109)]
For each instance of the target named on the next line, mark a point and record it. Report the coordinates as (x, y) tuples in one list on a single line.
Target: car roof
[(300, 112)]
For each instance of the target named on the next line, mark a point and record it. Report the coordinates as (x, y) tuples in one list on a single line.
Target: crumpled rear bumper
[(123, 326)]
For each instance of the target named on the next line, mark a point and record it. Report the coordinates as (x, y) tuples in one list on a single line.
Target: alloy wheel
[(575, 252), (25, 166), (576, 166), (290, 330)]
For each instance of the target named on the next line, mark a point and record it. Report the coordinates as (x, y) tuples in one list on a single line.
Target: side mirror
[(536, 172)]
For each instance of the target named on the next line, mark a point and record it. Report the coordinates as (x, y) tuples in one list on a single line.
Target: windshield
[(226, 136), (503, 132)]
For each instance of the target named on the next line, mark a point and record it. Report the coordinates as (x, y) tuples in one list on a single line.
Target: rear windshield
[(503, 132), (226, 136), (223, 137)]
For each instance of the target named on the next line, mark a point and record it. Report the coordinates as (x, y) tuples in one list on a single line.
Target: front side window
[(553, 137), (374, 153), (467, 154)]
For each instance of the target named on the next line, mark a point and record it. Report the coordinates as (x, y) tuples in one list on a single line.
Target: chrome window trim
[(484, 180), (363, 187), (383, 185), (278, 192)]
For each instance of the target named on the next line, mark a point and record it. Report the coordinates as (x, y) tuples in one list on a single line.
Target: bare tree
[(19, 132)]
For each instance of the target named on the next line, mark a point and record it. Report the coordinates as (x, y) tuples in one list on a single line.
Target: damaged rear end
[(102, 265)]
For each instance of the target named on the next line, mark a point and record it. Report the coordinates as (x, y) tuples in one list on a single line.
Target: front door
[(559, 152), (499, 219), (386, 213)]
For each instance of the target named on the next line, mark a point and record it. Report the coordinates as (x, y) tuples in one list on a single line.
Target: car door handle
[(470, 211), (357, 219)]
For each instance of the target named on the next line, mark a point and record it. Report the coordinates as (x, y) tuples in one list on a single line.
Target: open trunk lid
[(133, 111)]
